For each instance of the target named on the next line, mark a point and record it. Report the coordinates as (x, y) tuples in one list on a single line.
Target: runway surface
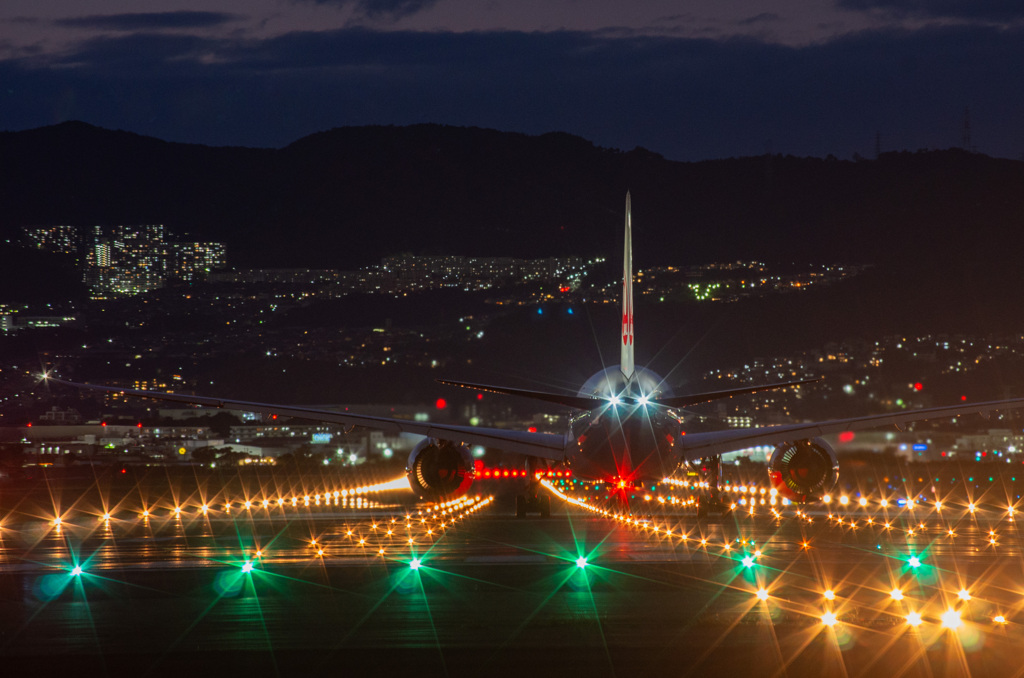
[(467, 589)]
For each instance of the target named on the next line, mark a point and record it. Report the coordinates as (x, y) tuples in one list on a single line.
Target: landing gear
[(710, 473), (536, 499), (539, 504)]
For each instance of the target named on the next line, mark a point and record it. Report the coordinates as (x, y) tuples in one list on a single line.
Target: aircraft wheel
[(520, 506), (545, 506)]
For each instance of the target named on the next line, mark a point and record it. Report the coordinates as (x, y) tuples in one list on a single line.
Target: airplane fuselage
[(628, 438), (626, 443)]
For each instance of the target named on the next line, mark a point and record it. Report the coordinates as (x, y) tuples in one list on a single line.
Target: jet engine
[(440, 470), (803, 470)]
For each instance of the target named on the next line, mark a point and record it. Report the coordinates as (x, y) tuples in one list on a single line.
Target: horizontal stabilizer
[(589, 403), (697, 398), (579, 402)]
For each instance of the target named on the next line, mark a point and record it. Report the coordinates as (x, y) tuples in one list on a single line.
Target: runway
[(467, 589)]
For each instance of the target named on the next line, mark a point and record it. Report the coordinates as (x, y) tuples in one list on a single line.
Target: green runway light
[(748, 561), (914, 561), (247, 567), (415, 563), (581, 562), (76, 571)]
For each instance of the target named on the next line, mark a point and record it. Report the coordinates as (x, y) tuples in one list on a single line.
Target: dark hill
[(348, 196)]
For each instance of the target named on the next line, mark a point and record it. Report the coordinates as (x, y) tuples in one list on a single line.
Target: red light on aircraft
[(918, 386), (479, 396), (103, 424), (139, 425), (532, 429), (963, 398), (846, 436), (441, 403), (29, 424), (563, 289)]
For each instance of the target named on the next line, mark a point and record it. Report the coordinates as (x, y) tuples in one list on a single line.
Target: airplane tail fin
[(626, 350)]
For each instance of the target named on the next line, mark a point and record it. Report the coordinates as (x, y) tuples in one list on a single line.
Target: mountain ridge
[(345, 197)]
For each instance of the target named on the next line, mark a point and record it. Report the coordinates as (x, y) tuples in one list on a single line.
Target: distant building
[(58, 416), (59, 239), (136, 259)]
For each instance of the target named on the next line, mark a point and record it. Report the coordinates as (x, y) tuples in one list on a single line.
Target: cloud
[(390, 10), (148, 21), (763, 17), (980, 10), (684, 98)]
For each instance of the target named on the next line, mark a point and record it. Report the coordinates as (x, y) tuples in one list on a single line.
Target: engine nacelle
[(440, 470), (804, 470)]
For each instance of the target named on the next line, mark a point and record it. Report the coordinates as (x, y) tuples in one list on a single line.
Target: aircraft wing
[(699, 445), (545, 445)]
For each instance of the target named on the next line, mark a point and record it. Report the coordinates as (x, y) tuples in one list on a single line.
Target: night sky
[(690, 80)]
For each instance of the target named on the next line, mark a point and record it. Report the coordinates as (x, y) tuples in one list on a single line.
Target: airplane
[(625, 428)]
